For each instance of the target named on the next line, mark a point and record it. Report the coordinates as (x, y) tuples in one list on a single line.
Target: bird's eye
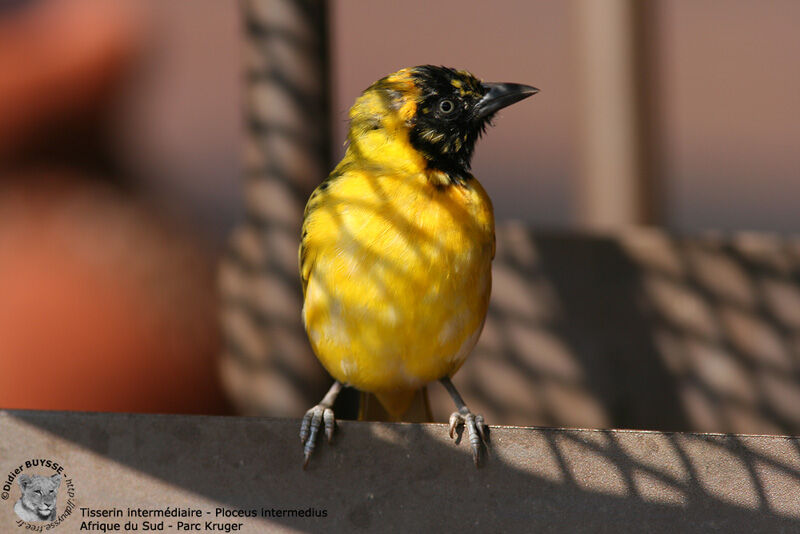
[(446, 107)]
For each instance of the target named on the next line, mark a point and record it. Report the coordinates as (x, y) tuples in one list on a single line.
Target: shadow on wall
[(634, 331), (267, 365), (640, 331)]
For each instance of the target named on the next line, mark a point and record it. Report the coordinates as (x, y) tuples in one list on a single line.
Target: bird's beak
[(500, 95)]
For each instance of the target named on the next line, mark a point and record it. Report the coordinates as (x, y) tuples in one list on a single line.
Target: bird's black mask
[(453, 111)]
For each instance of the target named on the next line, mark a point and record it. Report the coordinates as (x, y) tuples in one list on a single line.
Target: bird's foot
[(477, 430), (310, 426)]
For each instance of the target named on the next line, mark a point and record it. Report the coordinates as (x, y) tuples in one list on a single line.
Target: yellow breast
[(398, 275)]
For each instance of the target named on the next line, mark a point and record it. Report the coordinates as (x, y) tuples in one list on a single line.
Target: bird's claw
[(309, 428), (477, 431)]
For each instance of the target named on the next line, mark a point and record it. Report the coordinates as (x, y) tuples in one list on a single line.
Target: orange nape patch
[(403, 83)]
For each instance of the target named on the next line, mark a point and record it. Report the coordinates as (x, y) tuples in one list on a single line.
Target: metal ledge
[(410, 477)]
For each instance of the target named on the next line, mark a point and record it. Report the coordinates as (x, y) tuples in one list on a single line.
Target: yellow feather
[(396, 265)]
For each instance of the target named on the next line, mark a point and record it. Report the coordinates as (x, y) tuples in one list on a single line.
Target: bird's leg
[(477, 430), (313, 420)]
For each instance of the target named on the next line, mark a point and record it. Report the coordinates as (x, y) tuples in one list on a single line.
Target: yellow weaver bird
[(397, 245)]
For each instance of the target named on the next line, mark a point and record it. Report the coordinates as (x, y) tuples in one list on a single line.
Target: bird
[(397, 245)]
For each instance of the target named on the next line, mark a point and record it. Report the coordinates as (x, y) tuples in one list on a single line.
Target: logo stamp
[(42, 492)]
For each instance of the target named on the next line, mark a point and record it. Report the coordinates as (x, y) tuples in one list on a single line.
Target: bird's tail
[(391, 407)]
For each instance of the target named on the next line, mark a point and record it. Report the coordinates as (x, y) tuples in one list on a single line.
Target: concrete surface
[(402, 477)]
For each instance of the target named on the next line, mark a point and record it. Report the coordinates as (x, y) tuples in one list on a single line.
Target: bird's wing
[(305, 255)]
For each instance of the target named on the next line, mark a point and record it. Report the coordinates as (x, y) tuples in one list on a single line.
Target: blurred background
[(133, 141)]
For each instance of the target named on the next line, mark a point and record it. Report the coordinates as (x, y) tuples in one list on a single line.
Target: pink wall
[(729, 84), (526, 161), (731, 113), (729, 80)]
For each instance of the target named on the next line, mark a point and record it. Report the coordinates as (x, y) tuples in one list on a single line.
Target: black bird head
[(444, 111), (453, 111)]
